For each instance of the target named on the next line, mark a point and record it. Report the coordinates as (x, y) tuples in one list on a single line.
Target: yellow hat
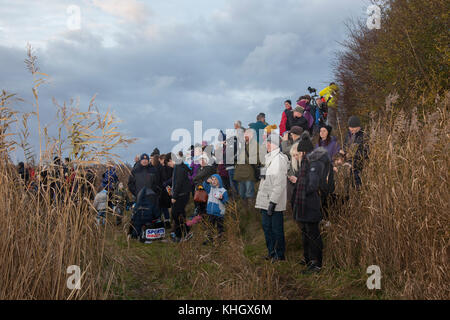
[(271, 127)]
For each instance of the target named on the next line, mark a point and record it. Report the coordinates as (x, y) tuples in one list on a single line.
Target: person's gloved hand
[(271, 208), (262, 173)]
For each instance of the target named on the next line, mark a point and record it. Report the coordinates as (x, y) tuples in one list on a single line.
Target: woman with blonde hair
[(292, 172)]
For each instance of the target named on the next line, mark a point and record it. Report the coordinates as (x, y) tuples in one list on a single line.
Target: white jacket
[(273, 187), (101, 201)]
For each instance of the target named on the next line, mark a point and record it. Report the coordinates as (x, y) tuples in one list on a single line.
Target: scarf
[(300, 193)]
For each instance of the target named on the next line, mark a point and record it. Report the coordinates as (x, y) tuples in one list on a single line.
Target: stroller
[(146, 224)]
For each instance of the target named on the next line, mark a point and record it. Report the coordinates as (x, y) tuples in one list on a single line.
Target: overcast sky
[(162, 64)]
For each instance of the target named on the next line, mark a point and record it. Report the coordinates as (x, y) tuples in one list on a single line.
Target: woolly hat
[(155, 152), (296, 130), (354, 122), (305, 144), (299, 109), (144, 156), (301, 103), (269, 128)]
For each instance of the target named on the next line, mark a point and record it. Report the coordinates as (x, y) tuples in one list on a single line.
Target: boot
[(312, 267)]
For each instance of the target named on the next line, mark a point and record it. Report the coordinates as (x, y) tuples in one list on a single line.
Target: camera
[(312, 90)]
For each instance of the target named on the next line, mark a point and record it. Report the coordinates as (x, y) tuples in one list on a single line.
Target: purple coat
[(194, 167), (307, 113), (332, 147)]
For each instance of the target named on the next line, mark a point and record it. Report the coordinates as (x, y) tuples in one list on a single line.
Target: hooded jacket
[(272, 188), (101, 201), (109, 179), (146, 208), (216, 206), (330, 90)]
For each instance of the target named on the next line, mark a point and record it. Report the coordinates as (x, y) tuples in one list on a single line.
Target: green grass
[(189, 270)]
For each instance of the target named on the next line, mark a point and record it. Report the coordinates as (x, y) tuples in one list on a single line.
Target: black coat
[(293, 121), (166, 178), (204, 173), (141, 177), (318, 163), (166, 175), (357, 147), (24, 174), (181, 185)]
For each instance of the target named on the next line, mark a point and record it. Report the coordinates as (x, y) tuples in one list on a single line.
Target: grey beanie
[(354, 122)]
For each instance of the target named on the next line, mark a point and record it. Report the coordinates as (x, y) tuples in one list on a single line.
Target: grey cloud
[(246, 58)]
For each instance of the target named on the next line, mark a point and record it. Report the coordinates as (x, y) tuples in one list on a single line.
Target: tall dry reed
[(48, 224), (400, 218)]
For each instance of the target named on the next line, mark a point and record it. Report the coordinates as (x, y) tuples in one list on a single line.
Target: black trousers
[(179, 215), (312, 242)]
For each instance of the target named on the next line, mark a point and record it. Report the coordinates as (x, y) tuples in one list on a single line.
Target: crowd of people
[(289, 171), (58, 179)]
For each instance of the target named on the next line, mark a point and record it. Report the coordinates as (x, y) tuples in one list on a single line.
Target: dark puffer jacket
[(318, 162), (181, 185), (141, 177), (301, 122)]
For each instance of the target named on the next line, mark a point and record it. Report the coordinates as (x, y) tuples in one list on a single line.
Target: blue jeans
[(101, 217), (273, 227), (233, 183), (246, 189)]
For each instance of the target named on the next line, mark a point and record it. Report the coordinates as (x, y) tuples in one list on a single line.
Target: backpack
[(152, 231), (326, 176)]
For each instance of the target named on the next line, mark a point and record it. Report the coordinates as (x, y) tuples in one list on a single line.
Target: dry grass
[(41, 236), (221, 270), (399, 220)]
